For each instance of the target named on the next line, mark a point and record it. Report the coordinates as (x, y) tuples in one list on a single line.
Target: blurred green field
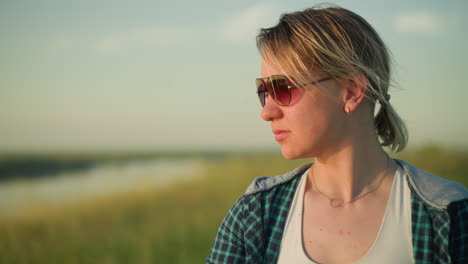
[(173, 224)]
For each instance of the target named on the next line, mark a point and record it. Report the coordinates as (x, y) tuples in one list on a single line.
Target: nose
[(271, 110)]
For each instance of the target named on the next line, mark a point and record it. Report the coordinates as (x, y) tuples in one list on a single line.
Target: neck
[(357, 167)]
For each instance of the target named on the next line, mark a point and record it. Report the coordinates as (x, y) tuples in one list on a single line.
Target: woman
[(324, 72)]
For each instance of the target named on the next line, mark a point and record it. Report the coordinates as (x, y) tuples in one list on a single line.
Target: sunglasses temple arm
[(311, 83)]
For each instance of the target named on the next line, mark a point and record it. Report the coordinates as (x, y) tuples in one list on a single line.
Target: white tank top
[(392, 245)]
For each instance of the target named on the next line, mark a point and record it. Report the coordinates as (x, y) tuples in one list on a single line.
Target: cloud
[(160, 37), (242, 27), (419, 22)]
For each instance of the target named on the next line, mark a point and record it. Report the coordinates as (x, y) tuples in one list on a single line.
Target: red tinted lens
[(261, 91), (277, 87), (295, 94), (280, 91)]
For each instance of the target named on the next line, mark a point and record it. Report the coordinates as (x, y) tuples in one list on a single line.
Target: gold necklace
[(336, 202)]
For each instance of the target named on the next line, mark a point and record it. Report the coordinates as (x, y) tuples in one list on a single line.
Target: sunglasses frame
[(264, 81)]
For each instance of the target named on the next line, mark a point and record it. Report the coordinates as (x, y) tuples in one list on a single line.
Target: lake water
[(103, 179)]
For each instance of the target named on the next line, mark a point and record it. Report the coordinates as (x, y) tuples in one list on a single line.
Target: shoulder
[(262, 184), (433, 190), (252, 198)]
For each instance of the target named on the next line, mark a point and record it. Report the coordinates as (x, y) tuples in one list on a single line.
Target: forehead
[(268, 69)]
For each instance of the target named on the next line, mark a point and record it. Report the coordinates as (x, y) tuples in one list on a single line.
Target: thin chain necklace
[(336, 202)]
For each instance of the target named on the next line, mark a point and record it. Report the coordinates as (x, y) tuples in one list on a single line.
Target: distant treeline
[(28, 166), (38, 167)]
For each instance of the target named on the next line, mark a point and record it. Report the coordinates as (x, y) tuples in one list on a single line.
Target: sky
[(96, 75)]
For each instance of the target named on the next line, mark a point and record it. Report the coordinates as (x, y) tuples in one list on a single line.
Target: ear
[(354, 92)]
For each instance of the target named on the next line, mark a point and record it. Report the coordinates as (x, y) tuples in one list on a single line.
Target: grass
[(173, 224)]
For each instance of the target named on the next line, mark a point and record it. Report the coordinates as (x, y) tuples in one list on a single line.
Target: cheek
[(322, 116)]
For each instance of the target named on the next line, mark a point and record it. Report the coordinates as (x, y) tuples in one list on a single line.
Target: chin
[(290, 154)]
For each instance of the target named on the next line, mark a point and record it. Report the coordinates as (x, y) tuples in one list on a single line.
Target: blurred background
[(128, 128)]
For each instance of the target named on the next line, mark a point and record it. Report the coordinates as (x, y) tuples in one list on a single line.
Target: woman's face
[(313, 125)]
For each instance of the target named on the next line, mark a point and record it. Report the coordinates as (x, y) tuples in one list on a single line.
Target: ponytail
[(390, 129)]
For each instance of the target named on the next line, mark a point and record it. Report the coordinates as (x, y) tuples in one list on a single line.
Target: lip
[(280, 134)]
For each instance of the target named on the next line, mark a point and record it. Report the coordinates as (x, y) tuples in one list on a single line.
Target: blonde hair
[(340, 43)]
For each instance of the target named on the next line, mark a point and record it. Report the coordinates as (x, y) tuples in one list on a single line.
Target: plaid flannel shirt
[(252, 230)]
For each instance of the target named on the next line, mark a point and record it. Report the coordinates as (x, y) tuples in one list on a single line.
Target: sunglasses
[(282, 89)]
